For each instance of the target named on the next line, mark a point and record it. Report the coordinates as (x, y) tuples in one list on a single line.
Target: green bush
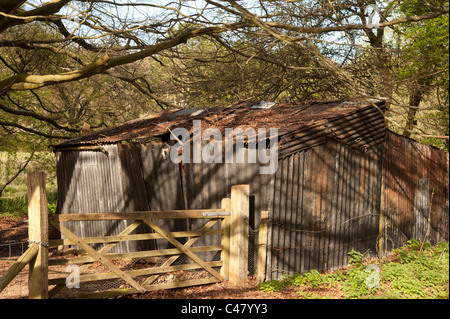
[(417, 270), (356, 258), (18, 206), (272, 286)]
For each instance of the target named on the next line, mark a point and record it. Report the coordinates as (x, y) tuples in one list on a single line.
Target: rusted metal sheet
[(326, 203), (328, 199), (415, 192)]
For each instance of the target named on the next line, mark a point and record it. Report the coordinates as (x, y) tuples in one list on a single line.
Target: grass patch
[(18, 206), (13, 200), (416, 271)]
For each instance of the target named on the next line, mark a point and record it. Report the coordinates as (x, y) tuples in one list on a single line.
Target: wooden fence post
[(38, 234), (239, 234), (262, 247)]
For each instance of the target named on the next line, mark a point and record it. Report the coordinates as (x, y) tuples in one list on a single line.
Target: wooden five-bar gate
[(231, 264)]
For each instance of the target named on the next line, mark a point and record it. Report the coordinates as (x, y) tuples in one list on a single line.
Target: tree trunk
[(383, 63), (415, 97)]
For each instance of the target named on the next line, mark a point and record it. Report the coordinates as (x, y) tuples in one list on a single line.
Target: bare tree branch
[(36, 116), (33, 131), (41, 13), (19, 171), (24, 81), (134, 81)]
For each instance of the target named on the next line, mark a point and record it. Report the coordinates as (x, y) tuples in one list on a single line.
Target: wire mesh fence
[(98, 287), (9, 253)]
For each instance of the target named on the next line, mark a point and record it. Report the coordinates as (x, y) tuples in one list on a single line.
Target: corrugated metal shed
[(140, 176), (339, 171)]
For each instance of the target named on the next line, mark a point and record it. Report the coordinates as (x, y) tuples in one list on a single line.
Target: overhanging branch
[(24, 81)]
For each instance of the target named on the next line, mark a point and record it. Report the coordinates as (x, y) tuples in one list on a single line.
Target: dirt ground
[(15, 230), (12, 229), (224, 290)]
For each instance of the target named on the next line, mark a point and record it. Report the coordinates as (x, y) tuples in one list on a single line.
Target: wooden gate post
[(38, 234), (239, 220)]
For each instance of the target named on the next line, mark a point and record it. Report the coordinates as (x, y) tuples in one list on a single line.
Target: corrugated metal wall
[(161, 182), (119, 179), (137, 177), (415, 200), (328, 200), (91, 182), (206, 184), (326, 203)]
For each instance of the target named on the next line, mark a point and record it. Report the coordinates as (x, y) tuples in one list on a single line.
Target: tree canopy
[(71, 66)]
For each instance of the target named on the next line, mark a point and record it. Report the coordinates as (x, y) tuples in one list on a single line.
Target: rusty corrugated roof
[(355, 122)]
